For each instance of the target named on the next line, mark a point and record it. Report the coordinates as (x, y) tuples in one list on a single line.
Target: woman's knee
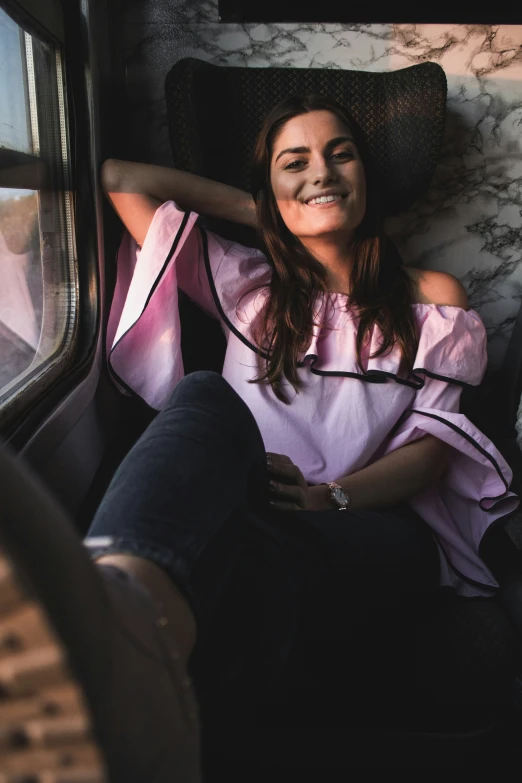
[(208, 390), (204, 402), (201, 385)]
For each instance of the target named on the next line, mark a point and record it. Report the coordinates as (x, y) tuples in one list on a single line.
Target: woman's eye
[(344, 155)]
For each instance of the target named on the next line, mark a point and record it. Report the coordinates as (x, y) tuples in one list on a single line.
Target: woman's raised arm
[(136, 190)]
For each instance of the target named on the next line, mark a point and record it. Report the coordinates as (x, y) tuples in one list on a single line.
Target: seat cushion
[(215, 112)]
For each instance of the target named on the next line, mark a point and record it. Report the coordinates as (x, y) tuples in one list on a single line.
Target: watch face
[(339, 496)]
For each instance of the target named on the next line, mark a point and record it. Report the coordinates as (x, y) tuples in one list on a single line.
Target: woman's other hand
[(288, 490)]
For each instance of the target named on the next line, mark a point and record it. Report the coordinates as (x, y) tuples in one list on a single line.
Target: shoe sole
[(45, 723)]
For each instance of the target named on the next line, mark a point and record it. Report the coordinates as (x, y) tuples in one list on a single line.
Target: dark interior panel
[(341, 12)]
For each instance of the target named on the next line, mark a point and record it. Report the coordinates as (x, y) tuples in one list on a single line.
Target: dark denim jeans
[(265, 586)]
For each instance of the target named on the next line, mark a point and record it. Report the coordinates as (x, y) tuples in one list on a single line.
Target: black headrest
[(215, 112)]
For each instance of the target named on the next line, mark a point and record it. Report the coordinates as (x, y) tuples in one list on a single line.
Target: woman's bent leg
[(187, 497), (200, 461), (376, 575)]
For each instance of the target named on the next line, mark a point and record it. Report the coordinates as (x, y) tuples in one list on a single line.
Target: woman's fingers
[(279, 458), (285, 471), (288, 473), (287, 493), (288, 489)]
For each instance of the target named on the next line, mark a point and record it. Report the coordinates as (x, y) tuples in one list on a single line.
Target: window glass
[(14, 127), (38, 290)]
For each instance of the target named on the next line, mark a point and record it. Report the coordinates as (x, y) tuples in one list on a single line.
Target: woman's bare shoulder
[(441, 288)]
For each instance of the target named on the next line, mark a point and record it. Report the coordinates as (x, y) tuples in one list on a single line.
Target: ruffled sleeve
[(474, 490), (452, 344), (143, 335)]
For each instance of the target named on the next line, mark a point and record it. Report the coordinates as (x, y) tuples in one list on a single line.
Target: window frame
[(45, 20)]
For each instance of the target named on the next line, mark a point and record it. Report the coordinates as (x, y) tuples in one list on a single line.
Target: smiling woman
[(345, 377)]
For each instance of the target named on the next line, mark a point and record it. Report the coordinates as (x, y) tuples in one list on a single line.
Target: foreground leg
[(176, 608), (92, 687)]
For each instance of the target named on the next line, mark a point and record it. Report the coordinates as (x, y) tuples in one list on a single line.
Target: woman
[(226, 511)]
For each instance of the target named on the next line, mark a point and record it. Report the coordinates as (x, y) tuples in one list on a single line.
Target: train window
[(38, 281)]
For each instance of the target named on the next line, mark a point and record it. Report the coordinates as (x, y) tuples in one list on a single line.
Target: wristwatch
[(338, 495)]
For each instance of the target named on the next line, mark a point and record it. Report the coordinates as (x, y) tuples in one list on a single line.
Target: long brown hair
[(381, 290)]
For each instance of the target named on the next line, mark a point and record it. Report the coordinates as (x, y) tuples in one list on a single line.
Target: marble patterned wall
[(469, 222)]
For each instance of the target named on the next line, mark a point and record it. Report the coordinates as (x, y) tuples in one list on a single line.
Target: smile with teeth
[(318, 202)]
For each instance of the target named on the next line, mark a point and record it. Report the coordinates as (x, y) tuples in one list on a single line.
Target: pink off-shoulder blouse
[(342, 420)]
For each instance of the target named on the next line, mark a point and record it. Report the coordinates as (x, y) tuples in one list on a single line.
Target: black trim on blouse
[(465, 578), (372, 376), (473, 443), (158, 277)]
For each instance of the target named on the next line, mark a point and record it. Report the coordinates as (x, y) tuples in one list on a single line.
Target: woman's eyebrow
[(327, 146)]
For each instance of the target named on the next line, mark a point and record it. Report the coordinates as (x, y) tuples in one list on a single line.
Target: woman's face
[(314, 154)]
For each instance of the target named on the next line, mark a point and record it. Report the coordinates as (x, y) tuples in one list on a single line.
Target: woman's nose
[(323, 176), (322, 170)]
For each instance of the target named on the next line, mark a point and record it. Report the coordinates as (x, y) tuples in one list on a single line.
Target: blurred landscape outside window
[(38, 290)]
